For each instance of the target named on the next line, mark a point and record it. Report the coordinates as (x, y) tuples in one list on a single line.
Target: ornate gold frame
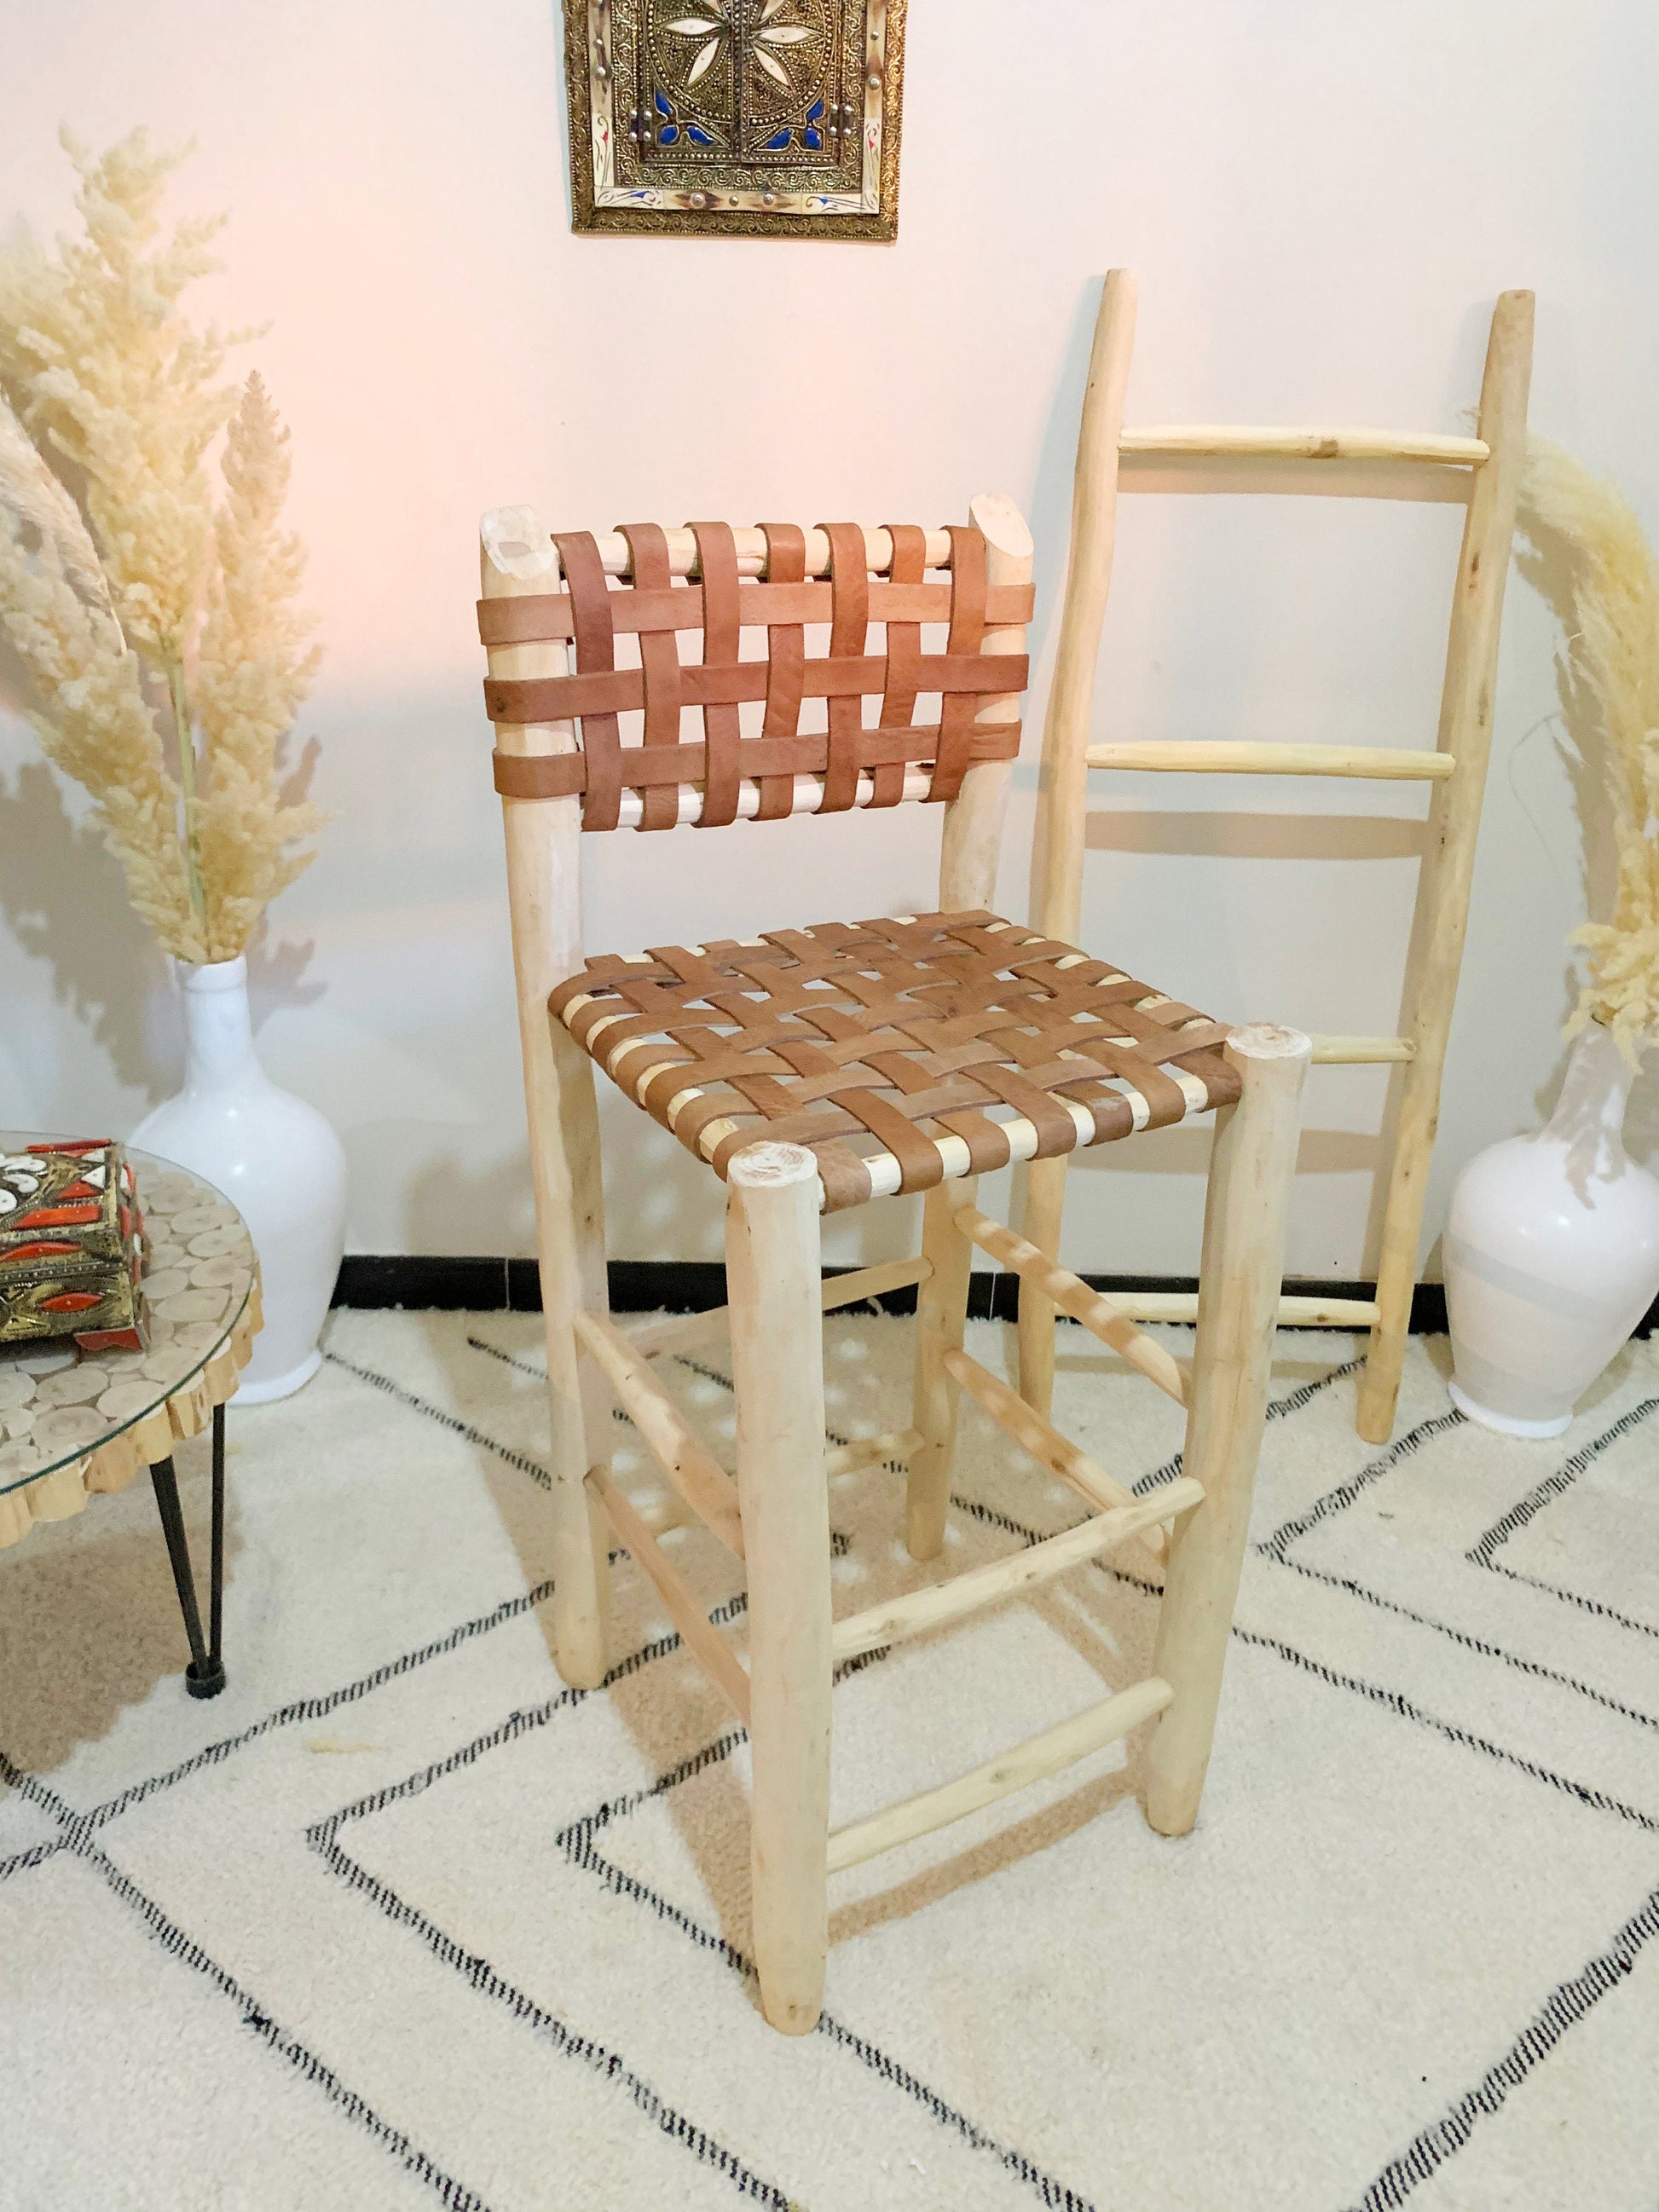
[(849, 191)]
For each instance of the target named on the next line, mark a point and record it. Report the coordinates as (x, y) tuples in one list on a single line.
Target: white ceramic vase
[(1551, 1253), (277, 1160)]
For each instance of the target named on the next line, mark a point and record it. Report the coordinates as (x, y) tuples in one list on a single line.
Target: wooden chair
[(1482, 473), (816, 1068)]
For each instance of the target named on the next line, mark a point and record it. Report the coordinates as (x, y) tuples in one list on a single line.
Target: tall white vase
[(1551, 1253), (274, 1157)]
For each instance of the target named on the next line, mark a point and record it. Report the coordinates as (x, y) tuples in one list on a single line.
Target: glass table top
[(58, 1405)]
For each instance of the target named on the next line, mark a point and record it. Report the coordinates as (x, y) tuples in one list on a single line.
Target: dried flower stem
[(186, 744)]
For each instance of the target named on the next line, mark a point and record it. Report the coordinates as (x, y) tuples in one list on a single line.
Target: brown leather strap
[(660, 664), (898, 698), (556, 775), (542, 617), (539, 775), (849, 634), (596, 654), (786, 646), (560, 698), (956, 740), (717, 557)]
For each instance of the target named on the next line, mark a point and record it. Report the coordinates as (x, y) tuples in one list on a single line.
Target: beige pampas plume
[(161, 634), (252, 670), (1612, 667), (97, 725)]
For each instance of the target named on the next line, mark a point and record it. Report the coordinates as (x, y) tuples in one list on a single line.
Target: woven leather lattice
[(722, 606), (934, 1047)]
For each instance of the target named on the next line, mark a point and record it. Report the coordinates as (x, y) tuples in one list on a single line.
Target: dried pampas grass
[(159, 616), (1613, 666)]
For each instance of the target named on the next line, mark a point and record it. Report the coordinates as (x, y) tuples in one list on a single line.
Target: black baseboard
[(380, 1280)]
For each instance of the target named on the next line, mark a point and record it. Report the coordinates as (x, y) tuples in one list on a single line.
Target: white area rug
[(400, 1920)]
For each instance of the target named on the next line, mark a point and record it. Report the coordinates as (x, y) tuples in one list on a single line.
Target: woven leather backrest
[(651, 758)]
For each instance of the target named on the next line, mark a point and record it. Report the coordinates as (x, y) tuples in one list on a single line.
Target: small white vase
[(1551, 1253), (277, 1160)]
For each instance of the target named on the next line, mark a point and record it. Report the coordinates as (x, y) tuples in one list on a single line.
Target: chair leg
[(570, 1239), (941, 1314), (772, 1277), (1040, 1219), (1244, 1222)]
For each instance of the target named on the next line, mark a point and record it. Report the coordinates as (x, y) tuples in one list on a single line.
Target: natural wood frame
[(776, 1515), (1483, 474)]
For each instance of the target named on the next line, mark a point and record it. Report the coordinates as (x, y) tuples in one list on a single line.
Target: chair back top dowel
[(617, 557)]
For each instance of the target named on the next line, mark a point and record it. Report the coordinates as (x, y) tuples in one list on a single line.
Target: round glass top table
[(73, 1423)]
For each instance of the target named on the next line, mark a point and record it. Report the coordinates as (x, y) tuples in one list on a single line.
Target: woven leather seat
[(902, 1053)]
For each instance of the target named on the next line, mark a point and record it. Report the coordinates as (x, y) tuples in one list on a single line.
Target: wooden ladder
[(1482, 473)]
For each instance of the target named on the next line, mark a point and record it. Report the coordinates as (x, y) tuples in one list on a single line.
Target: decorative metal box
[(758, 117), (72, 1247)]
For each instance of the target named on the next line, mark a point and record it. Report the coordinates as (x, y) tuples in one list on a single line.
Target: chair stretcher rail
[(1101, 1316), (677, 1332), (684, 1459), (1033, 1760), (1045, 1443), (925, 1609), (871, 1452), (702, 1638)]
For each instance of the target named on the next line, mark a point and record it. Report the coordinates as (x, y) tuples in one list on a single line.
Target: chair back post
[(971, 839), (543, 884)]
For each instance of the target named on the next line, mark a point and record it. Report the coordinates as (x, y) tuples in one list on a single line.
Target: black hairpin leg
[(204, 1677)]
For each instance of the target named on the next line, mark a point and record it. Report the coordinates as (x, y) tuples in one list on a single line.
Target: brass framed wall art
[(757, 118)]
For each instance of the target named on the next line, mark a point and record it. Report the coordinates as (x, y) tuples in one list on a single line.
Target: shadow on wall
[(1168, 832), (64, 897), (1185, 1151), (63, 894), (454, 1208)]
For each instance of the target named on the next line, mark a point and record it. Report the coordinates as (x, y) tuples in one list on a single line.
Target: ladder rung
[(1227, 440), (904, 1617), (1293, 1312), (1202, 758), (1360, 1051), (1033, 1760)]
